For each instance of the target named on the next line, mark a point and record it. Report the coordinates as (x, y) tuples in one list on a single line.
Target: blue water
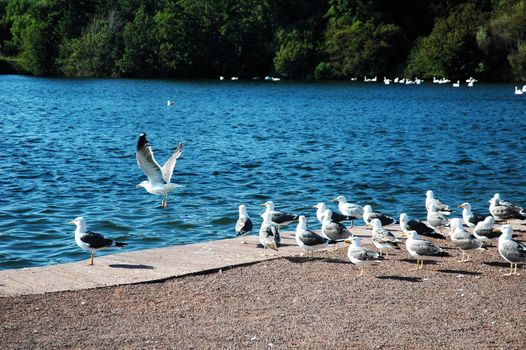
[(67, 149)]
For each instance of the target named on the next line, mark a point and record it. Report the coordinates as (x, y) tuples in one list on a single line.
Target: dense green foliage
[(295, 39)]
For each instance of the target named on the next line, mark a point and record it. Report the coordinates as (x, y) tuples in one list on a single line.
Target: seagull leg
[(361, 271), (421, 264), (245, 239), (164, 202), (516, 273), (511, 270), (90, 263)]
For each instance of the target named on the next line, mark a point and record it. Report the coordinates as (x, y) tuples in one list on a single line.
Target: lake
[(68, 150)]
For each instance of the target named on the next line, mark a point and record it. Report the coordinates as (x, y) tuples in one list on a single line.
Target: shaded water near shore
[(68, 149)]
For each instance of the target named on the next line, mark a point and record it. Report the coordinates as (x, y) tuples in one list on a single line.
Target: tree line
[(293, 39)]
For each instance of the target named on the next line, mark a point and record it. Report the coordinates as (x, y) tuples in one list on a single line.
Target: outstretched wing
[(168, 167), (147, 162)]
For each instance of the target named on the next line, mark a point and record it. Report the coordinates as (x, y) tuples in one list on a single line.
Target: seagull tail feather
[(120, 244)]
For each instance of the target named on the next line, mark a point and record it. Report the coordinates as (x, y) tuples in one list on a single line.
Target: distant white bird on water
[(158, 177), (91, 240), (170, 103), (518, 92), (244, 224), (511, 250)]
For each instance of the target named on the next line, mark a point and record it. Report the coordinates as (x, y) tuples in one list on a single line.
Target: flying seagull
[(277, 217), (470, 219), (243, 224), (369, 214), (414, 225), (91, 240), (511, 250), (310, 241), (440, 207), (158, 177), (361, 256)]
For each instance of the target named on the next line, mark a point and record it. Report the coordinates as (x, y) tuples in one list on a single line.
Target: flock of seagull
[(333, 231)]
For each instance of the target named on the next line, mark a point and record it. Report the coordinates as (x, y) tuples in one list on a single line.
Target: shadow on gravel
[(337, 261), (131, 266), (303, 259), (413, 261), (461, 272), (401, 278), (497, 264)]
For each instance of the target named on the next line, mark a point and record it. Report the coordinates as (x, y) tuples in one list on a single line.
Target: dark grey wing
[(384, 219), (147, 162), (422, 247), (243, 226), (273, 231), (280, 217), (337, 217), (513, 251), (310, 238), (96, 240), (476, 218), (423, 229)]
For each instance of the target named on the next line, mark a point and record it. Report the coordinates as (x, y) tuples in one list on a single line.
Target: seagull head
[(340, 199), (320, 206), (302, 223), (465, 205), (412, 235), (376, 223), (269, 205), (430, 194), (507, 232), (242, 210), (367, 209), (455, 224), (356, 241), (327, 214), (403, 218), (79, 222), (142, 184)]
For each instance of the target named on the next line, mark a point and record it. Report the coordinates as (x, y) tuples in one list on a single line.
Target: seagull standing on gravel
[(336, 217), (383, 239), (484, 229), (91, 240), (511, 250), (361, 256), (369, 214), (463, 240), (279, 218), (243, 224), (470, 219), (333, 230), (348, 209), (502, 211), (310, 241), (158, 177), (414, 225), (435, 219), (268, 234), (440, 207), (420, 247)]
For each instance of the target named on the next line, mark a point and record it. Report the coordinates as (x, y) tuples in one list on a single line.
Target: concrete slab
[(154, 264)]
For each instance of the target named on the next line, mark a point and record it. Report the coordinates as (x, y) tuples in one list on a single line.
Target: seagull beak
[(315, 206), (334, 199), (497, 230), (348, 240), (72, 222), (137, 186), (404, 235), (264, 204)]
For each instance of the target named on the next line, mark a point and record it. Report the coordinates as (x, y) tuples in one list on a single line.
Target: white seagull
[(511, 250), (348, 209), (244, 224), (383, 239), (361, 256), (310, 241), (158, 177), (268, 234), (91, 240), (369, 215), (463, 240), (420, 247), (441, 207), (470, 219)]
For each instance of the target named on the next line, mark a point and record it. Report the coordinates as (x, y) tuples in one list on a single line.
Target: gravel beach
[(288, 303)]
